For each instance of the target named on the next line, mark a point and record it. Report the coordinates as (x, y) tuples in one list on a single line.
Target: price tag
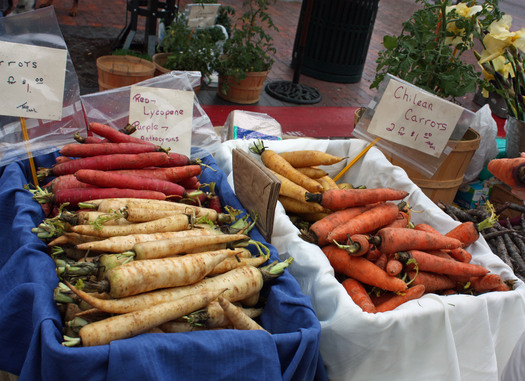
[(202, 15), (411, 117), (162, 116), (32, 80)]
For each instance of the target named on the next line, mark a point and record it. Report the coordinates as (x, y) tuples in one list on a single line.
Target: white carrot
[(142, 276), (237, 317), (118, 244), (212, 316), (168, 224), (173, 246), (134, 323), (240, 283)]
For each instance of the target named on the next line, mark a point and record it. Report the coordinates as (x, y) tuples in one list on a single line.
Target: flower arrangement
[(429, 50), (502, 63)]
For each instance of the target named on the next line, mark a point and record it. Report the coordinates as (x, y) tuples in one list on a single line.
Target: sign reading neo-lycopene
[(162, 116), (411, 117), (32, 80)]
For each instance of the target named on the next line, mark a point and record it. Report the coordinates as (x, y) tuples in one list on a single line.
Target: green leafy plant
[(249, 47), (429, 50), (191, 49)]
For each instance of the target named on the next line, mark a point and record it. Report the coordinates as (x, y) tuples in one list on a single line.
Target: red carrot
[(319, 230), (431, 263), (174, 174), (105, 162), (109, 179), (381, 260), (358, 293), (414, 292), (190, 183), (178, 159), (62, 159), (87, 150), (337, 199), (74, 196), (433, 282), (509, 170), (65, 182), (114, 135), (392, 240), (367, 222), (362, 270)]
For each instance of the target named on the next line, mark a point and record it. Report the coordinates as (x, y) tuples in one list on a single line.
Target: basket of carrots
[(118, 261), (396, 274)]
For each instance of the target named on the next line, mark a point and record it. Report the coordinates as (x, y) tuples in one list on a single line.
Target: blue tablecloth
[(30, 324)]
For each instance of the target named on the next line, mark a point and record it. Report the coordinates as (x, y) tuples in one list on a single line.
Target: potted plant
[(183, 48), (429, 50), (246, 60)]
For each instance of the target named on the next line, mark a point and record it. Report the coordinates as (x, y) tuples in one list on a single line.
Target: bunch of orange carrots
[(113, 163), (380, 257), (133, 257)]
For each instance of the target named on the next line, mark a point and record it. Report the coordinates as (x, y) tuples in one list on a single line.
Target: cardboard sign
[(32, 80), (411, 117), (257, 189), (202, 15), (162, 116)]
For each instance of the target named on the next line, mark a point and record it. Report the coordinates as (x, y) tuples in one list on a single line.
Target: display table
[(30, 325), (453, 338)]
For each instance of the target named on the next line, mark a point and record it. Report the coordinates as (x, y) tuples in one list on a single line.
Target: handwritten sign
[(32, 80), (411, 117), (162, 116), (202, 15)]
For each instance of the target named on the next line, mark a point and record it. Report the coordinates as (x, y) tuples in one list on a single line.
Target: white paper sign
[(32, 80), (202, 15), (411, 117), (162, 116)]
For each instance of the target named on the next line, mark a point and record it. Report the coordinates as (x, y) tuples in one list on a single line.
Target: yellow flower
[(502, 66), (500, 37), (463, 11)]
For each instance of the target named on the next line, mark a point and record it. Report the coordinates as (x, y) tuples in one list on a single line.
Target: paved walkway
[(106, 18)]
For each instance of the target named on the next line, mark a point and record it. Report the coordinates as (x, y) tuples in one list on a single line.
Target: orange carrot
[(381, 260), (318, 231), (509, 170), (392, 240), (428, 262), (414, 292), (362, 270), (432, 281), (357, 244), (358, 293), (394, 267), (401, 221), (426, 228), (468, 232), (460, 254), (373, 254), (336, 199), (310, 158), (367, 222), (485, 283)]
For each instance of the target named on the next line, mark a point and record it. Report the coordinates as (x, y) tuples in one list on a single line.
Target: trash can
[(339, 33)]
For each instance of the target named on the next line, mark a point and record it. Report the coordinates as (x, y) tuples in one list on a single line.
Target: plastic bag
[(485, 125), (40, 28), (242, 124), (111, 107)]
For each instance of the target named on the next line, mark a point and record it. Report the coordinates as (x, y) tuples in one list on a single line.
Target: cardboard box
[(474, 194)]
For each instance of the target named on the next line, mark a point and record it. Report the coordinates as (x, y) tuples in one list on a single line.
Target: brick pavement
[(105, 18)]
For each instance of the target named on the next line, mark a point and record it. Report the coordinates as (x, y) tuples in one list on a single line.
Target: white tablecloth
[(456, 337)]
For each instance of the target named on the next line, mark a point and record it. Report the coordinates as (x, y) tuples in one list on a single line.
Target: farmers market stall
[(455, 337), (30, 338)]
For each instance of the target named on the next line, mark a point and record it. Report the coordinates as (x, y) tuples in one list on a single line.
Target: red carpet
[(299, 121)]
